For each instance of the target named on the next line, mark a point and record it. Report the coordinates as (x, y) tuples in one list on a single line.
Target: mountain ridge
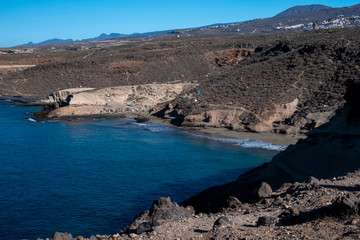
[(101, 37), (302, 9), (296, 15)]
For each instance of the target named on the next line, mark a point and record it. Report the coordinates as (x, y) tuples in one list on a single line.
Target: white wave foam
[(31, 120), (152, 127), (245, 143)]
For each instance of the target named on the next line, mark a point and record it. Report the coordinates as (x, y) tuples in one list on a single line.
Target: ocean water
[(93, 176)]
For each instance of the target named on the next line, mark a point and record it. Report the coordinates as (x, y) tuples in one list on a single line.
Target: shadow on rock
[(161, 211), (329, 151)]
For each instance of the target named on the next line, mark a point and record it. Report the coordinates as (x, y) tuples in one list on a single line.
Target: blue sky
[(38, 20)]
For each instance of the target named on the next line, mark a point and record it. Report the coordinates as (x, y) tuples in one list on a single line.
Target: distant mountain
[(297, 10), (300, 22), (295, 19), (104, 36), (148, 34), (50, 41)]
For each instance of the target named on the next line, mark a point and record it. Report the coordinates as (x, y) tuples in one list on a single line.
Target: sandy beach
[(273, 138)]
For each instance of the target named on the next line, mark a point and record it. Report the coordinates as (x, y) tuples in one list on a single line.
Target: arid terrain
[(286, 83), (318, 209), (278, 200), (295, 84)]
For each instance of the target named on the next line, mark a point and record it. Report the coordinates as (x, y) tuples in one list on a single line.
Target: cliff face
[(329, 151), (287, 86), (88, 101), (317, 209)]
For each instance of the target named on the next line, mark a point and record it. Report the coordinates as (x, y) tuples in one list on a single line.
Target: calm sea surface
[(93, 176)]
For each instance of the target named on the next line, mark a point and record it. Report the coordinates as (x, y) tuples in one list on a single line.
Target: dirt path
[(15, 66)]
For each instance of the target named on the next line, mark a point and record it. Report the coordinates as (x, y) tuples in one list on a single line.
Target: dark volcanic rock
[(344, 206), (142, 119), (233, 202), (313, 181), (61, 236), (143, 227), (264, 190), (162, 210), (266, 221), (222, 222)]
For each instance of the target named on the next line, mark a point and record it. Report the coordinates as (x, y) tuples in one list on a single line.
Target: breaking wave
[(31, 120), (245, 143), (153, 127)]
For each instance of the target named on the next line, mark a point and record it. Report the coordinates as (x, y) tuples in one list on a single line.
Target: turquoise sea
[(93, 176)]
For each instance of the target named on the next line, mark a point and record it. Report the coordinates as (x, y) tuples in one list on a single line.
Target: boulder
[(61, 236), (222, 222), (143, 227), (161, 211), (264, 190), (266, 221), (164, 209), (344, 206), (233, 202), (312, 180)]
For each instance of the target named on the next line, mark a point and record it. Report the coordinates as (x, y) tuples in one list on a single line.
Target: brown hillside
[(135, 63), (282, 83), (307, 69)]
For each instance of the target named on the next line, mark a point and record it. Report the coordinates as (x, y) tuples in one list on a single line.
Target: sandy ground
[(273, 138), (15, 66)]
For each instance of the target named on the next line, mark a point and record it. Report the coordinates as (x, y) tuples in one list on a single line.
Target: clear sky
[(22, 21)]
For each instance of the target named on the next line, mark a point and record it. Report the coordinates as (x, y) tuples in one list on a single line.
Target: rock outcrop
[(161, 211), (317, 209), (136, 98), (63, 97), (331, 150)]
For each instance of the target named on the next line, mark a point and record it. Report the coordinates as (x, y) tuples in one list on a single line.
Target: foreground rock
[(270, 202), (162, 210), (329, 210)]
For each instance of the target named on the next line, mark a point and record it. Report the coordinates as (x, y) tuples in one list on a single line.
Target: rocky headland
[(294, 84), (287, 84), (309, 191)]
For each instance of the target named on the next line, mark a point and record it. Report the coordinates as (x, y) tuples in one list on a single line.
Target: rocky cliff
[(289, 86), (295, 83), (329, 151), (287, 83), (88, 101)]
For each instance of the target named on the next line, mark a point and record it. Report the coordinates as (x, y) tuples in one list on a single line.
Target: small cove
[(93, 176)]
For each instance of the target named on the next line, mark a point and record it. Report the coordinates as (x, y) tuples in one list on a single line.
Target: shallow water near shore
[(93, 176)]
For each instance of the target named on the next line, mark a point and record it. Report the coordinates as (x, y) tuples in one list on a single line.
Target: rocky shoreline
[(277, 208), (308, 85), (309, 191), (315, 209)]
